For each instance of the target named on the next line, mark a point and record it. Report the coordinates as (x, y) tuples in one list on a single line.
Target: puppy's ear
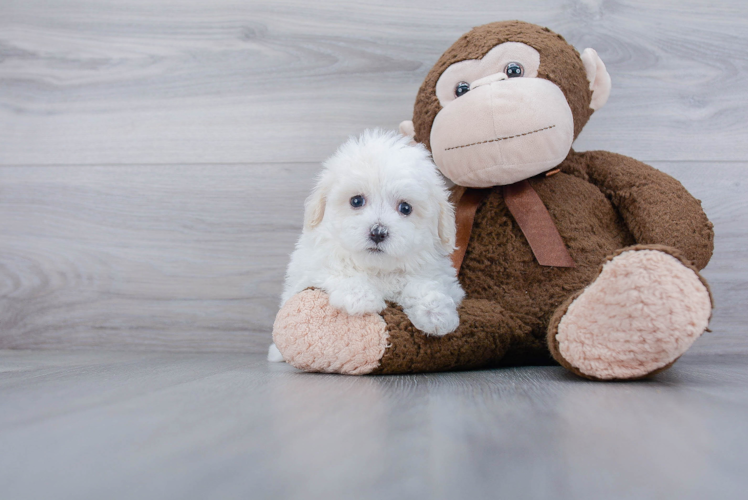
[(447, 227), (314, 207)]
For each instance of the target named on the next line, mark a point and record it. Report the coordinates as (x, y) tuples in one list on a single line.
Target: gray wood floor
[(154, 158), (92, 425)]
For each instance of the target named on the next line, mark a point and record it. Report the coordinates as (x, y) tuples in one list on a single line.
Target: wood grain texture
[(192, 426), (193, 257), (178, 258), (182, 81), (154, 156)]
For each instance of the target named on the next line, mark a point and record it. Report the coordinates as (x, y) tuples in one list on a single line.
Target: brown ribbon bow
[(532, 218)]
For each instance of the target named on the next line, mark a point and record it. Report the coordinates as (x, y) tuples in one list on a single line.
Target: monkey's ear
[(598, 77), (314, 207), (407, 129)]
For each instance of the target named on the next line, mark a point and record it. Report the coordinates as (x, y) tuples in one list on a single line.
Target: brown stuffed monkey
[(591, 259)]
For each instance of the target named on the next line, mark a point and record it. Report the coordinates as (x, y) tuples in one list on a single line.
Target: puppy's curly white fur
[(379, 226)]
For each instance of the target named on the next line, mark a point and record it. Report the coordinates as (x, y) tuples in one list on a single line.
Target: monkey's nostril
[(378, 233)]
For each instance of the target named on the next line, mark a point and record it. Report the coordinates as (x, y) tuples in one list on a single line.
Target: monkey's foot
[(641, 313), (315, 337)]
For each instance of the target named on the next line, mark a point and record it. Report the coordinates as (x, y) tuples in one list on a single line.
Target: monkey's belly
[(500, 266)]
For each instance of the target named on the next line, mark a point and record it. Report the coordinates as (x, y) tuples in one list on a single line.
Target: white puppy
[(378, 226)]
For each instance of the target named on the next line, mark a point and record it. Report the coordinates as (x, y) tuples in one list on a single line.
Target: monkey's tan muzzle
[(502, 131)]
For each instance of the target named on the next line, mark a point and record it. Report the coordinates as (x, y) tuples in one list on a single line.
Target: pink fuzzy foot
[(315, 337), (644, 310)]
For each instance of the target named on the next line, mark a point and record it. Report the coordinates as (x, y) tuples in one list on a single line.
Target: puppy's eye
[(462, 88), (514, 69), (404, 208), (358, 201)]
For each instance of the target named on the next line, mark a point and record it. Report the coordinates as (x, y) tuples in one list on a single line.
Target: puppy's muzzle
[(378, 233)]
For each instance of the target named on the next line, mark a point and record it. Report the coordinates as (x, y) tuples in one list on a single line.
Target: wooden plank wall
[(154, 156)]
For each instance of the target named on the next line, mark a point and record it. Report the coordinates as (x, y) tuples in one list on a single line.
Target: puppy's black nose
[(378, 233)]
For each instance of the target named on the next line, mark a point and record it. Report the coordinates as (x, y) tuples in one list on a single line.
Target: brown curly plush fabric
[(601, 203)]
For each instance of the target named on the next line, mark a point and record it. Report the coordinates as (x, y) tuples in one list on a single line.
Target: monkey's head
[(505, 102)]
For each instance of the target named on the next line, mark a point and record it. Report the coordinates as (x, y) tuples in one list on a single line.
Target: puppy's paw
[(356, 301), (435, 314)]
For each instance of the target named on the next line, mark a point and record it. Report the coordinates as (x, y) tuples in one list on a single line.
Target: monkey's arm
[(656, 208)]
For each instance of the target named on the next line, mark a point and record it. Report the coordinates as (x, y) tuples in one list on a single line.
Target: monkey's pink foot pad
[(315, 337), (642, 312)]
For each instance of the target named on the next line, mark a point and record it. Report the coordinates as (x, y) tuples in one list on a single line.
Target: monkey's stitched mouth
[(500, 138)]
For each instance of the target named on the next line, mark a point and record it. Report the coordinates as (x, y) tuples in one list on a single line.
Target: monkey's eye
[(358, 201), (404, 208), (462, 88), (514, 69)]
